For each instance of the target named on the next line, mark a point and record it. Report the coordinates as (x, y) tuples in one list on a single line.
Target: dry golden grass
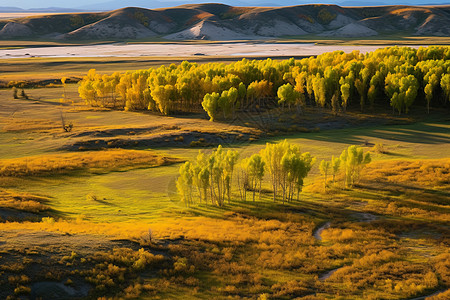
[(107, 160), (410, 10), (35, 125), (198, 17), (80, 108), (425, 173), (245, 255), (133, 231), (234, 229), (22, 201)]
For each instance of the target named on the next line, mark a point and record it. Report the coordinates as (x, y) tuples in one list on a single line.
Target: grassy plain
[(40, 69), (82, 230)]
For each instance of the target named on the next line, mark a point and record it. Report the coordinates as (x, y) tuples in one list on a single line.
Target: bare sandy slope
[(183, 50)]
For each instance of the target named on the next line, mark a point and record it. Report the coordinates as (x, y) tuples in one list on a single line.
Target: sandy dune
[(182, 50)]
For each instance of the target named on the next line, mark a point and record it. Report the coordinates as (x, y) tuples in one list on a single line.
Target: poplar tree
[(272, 155), (231, 159), (184, 183), (256, 172), (324, 168), (210, 104), (352, 160), (445, 85), (335, 166), (287, 95)]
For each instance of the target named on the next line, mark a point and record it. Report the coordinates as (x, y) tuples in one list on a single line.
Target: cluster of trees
[(213, 176), (395, 76), (350, 163)]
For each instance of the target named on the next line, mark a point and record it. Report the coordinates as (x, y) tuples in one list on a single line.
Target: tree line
[(213, 178), (395, 76)]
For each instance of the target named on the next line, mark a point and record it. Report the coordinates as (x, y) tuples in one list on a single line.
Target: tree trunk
[(260, 182), (274, 188), (211, 187), (253, 188), (239, 186)]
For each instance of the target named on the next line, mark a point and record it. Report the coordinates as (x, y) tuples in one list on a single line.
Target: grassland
[(42, 69), (84, 232)]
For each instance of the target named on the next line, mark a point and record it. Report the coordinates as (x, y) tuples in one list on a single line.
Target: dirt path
[(430, 295), (328, 274), (317, 234), (361, 217)]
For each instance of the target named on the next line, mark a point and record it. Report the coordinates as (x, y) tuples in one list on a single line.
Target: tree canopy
[(395, 76)]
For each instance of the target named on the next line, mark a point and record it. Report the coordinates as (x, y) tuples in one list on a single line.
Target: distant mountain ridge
[(223, 22), (117, 4), (12, 9), (107, 5)]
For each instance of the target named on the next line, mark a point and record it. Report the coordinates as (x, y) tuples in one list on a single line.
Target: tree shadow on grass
[(425, 196), (267, 209), (48, 102), (417, 133)]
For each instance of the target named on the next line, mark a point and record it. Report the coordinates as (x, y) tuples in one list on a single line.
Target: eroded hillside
[(223, 22)]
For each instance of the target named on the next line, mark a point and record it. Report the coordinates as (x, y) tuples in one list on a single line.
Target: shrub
[(91, 197), (325, 17), (379, 148), (21, 290), (24, 95)]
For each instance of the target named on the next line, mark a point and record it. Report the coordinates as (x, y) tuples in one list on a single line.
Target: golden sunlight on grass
[(116, 159), (429, 173), (22, 201)]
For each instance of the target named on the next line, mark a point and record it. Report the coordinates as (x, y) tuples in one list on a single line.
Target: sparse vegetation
[(325, 16)]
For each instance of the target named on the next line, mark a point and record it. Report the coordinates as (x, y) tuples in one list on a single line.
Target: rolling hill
[(223, 22)]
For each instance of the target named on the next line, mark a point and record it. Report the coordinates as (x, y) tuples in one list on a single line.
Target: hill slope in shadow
[(223, 22)]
